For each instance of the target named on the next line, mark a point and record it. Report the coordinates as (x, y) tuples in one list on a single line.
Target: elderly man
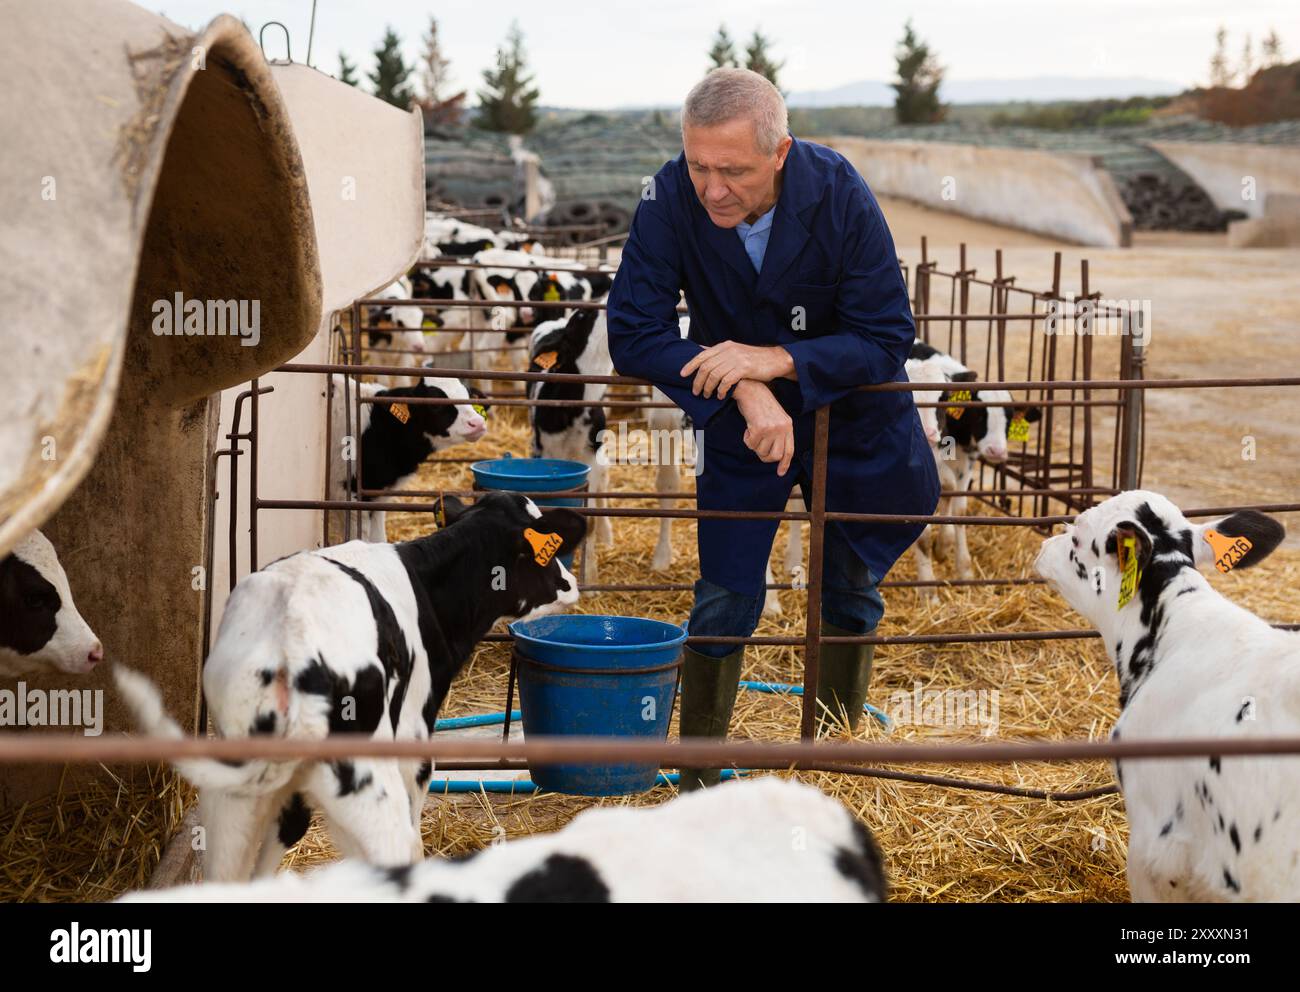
[(796, 299)]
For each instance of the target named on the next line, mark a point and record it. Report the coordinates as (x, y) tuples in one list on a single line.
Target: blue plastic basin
[(597, 676), (516, 475)]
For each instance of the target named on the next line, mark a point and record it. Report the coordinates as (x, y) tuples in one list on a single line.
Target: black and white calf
[(355, 639), (395, 439), (967, 435), (40, 628), (1191, 664), (731, 844), (447, 236), (527, 277), (396, 331), (578, 345)]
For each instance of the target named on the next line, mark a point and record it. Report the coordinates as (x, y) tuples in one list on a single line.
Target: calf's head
[(40, 627), (442, 424), (1086, 564), (984, 428), (516, 553)]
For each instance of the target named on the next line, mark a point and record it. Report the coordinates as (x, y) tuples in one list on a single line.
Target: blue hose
[(523, 785), (477, 720), (797, 690)]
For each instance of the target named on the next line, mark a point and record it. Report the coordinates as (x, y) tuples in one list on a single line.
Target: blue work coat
[(831, 293)]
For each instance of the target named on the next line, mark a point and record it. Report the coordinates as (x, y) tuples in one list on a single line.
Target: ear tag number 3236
[(961, 396), (1228, 551), (544, 545), (1128, 569), (401, 411)]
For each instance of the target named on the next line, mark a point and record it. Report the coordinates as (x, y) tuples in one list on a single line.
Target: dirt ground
[(1215, 312)]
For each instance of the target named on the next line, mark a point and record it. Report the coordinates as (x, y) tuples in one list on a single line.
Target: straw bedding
[(940, 844)]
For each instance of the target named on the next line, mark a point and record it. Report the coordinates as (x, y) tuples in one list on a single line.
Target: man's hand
[(769, 432), (726, 364)]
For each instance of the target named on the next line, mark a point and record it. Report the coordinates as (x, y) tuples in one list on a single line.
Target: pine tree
[(1247, 62), (916, 99), (1272, 49), (723, 52), (1219, 72), (347, 70), (758, 60), (435, 72), (508, 101), (392, 76)]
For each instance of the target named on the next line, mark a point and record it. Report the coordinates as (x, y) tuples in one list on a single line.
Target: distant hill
[(871, 93)]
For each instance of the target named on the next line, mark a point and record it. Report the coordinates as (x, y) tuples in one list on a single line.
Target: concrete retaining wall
[(1222, 170), (1065, 196)]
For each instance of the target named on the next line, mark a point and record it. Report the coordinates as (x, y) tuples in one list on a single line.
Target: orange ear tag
[(544, 545), (1018, 429), (546, 359), (960, 396), (401, 411), (1228, 551)]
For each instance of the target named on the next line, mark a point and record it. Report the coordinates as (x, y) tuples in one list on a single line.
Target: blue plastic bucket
[(597, 676), (519, 475)]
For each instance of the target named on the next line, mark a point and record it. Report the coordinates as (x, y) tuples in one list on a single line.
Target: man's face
[(732, 177)]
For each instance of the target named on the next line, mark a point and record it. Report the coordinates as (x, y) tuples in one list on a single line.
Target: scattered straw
[(91, 844)]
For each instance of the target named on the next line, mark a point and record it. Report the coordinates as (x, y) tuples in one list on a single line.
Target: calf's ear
[(447, 510), (1116, 545), (1032, 413), (1238, 540), (571, 526), (967, 376)]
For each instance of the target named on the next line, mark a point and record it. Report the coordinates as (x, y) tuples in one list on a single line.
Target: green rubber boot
[(707, 697), (843, 675)]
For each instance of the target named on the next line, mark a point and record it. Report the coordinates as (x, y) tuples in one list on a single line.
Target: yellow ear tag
[(544, 545), (1018, 429), (429, 322), (481, 410), (1228, 551), (552, 291), (960, 396), (546, 359), (401, 411), (1128, 567)]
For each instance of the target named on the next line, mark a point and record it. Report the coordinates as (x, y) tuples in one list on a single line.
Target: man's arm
[(644, 340), (872, 310)]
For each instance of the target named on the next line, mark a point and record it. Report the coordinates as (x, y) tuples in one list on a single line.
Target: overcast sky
[(617, 52)]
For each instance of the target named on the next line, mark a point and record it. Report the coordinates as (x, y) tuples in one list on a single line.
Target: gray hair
[(726, 94)]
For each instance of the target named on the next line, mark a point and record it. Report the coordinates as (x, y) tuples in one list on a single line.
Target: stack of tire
[(1157, 204), (596, 218), (470, 168)]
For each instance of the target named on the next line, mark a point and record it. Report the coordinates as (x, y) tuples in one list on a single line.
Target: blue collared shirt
[(754, 237)]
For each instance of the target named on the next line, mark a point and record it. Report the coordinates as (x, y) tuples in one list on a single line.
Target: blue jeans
[(850, 600)]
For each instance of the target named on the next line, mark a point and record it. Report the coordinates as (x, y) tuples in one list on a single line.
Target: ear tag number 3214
[(1128, 568), (1228, 551), (544, 545)]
